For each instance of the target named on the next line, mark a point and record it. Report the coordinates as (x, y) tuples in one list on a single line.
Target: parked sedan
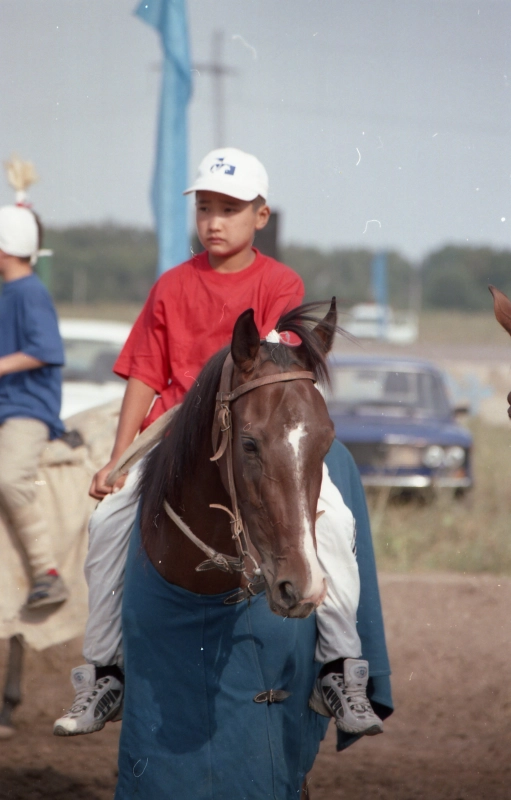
[(91, 349), (395, 417)]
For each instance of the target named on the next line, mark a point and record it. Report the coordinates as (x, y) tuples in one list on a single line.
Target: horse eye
[(249, 446)]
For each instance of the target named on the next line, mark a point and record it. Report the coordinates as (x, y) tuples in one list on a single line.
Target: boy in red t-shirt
[(189, 315)]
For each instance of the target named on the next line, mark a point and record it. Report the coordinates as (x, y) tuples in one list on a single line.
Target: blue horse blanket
[(191, 729)]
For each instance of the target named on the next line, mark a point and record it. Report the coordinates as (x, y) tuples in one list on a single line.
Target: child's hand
[(99, 487)]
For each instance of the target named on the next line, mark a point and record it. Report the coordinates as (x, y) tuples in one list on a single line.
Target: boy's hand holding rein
[(99, 488), (135, 405)]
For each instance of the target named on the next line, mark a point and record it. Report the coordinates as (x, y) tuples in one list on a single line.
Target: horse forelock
[(302, 322)]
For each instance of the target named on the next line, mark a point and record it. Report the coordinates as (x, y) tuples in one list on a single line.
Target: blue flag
[(170, 173)]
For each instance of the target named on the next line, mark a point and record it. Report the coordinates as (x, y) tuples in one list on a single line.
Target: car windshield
[(399, 392), (88, 360)]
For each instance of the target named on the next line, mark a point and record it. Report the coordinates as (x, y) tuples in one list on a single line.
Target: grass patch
[(461, 328), (114, 312), (468, 535)]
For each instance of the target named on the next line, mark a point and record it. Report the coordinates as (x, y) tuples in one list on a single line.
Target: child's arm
[(135, 405), (18, 362)]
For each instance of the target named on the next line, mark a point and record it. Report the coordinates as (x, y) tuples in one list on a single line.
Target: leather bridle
[(222, 425)]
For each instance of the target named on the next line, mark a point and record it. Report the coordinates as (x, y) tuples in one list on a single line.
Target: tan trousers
[(22, 441)]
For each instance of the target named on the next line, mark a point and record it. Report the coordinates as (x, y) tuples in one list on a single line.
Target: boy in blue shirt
[(31, 355)]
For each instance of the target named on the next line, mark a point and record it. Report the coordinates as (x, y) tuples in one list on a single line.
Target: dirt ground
[(449, 638)]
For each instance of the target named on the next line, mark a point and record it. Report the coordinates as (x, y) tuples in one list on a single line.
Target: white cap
[(18, 232), (232, 172)]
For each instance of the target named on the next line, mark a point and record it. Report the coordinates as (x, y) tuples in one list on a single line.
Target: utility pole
[(218, 71)]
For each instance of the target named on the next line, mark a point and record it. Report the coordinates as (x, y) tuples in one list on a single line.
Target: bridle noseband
[(222, 424)]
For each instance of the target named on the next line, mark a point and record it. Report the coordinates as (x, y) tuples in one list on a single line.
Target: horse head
[(281, 434), (502, 309)]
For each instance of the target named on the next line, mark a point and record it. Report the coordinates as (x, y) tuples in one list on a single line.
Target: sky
[(382, 123)]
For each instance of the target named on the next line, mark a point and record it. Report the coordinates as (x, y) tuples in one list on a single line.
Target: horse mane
[(176, 458)]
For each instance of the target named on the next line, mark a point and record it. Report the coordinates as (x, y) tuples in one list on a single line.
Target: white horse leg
[(12, 688)]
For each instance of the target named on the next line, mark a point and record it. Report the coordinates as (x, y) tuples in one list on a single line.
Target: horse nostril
[(288, 594)]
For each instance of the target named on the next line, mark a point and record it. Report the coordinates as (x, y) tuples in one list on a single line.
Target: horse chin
[(301, 610)]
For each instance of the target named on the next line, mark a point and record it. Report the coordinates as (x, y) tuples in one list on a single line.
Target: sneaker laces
[(355, 695), (357, 698), (84, 697)]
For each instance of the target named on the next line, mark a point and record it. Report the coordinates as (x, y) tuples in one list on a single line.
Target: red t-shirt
[(190, 314)]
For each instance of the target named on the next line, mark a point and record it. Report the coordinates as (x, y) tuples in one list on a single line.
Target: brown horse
[(249, 440), (502, 309), (281, 433)]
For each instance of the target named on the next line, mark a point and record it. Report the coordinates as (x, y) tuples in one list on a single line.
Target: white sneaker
[(344, 698), (96, 702)]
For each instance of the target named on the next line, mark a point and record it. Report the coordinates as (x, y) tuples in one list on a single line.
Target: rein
[(222, 424)]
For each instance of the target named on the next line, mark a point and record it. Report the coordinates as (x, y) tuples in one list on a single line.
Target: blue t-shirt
[(28, 323)]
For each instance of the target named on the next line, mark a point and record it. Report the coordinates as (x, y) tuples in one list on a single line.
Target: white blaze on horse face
[(294, 437)]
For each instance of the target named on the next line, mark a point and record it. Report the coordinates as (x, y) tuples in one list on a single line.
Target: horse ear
[(502, 308), (325, 330), (245, 341)]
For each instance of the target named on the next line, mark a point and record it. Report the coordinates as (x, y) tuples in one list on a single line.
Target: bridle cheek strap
[(223, 424)]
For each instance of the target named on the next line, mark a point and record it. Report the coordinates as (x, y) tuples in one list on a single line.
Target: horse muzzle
[(286, 600)]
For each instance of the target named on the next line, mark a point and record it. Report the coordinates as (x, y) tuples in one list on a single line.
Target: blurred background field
[(116, 312), (453, 327), (436, 327), (471, 534)]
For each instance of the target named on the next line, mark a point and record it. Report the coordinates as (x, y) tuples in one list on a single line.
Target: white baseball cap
[(232, 172), (18, 232)]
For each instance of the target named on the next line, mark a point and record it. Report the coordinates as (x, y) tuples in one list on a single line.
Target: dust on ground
[(449, 639)]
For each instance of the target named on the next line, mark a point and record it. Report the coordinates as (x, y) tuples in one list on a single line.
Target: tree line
[(112, 263)]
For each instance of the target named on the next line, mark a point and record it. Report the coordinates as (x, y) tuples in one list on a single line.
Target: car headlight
[(433, 456), (454, 457)]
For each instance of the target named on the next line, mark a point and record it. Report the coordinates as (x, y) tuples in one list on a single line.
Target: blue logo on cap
[(222, 166)]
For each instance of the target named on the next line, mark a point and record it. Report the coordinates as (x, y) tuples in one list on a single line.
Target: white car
[(372, 321), (91, 348)]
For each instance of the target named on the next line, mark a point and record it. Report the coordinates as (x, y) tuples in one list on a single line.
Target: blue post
[(379, 285), (170, 172)]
